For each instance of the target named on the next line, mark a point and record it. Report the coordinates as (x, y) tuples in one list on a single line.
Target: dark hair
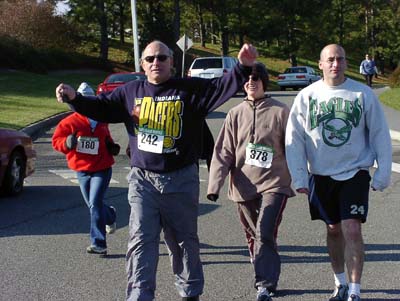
[(260, 70)]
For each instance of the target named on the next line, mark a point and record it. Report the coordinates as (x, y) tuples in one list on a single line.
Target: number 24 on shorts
[(354, 209)]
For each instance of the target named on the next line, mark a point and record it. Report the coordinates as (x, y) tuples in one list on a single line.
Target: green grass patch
[(391, 98), (29, 97)]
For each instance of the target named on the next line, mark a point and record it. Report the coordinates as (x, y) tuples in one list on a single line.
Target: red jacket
[(100, 159)]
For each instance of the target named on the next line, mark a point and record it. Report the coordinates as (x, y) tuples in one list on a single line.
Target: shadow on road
[(216, 115), (53, 210)]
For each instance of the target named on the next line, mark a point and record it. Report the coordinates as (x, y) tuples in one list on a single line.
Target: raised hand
[(247, 55), (65, 93)]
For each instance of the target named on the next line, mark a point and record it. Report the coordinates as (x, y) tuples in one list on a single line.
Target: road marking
[(395, 167), (70, 175), (395, 135)]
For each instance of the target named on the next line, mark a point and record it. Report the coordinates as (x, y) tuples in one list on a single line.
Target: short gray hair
[(170, 52)]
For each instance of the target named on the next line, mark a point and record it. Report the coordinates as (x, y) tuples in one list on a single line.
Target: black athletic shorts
[(332, 201)]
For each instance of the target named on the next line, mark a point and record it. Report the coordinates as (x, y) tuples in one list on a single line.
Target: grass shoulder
[(391, 98), (26, 98)]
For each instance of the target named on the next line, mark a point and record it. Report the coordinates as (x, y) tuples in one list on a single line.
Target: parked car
[(17, 160), (210, 67), (297, 77), (115, 80)]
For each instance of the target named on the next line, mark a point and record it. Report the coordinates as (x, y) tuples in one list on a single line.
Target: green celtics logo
[(337, 117)]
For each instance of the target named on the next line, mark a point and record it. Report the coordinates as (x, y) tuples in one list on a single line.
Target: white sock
[(354, 288), (340, 279)]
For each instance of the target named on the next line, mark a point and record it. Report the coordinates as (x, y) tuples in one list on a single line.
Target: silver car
[(211, 67), (297, 77)]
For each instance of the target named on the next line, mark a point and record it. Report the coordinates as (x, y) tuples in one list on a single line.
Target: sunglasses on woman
[(254, 77), (160, 57)]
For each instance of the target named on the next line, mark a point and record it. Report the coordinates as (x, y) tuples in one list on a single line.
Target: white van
[(210, 67)]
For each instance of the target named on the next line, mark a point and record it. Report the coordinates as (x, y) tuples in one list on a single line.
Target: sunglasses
[(254, 77), (160, 57)]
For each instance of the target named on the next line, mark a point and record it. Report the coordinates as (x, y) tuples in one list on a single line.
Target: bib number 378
[(259, 155)]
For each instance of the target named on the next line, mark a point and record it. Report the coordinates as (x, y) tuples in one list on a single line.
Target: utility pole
[(135, 36)]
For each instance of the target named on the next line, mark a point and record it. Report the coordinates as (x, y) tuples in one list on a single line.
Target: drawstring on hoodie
[(253, 128), (253, 104)]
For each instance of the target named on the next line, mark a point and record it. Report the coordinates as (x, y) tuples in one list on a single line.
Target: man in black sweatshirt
[(165, 140)]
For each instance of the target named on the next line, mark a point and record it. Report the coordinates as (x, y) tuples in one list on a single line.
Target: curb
[(35, 130)]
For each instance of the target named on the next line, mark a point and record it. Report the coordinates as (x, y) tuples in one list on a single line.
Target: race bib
[(150, 140), (88, 145), (259, 155)]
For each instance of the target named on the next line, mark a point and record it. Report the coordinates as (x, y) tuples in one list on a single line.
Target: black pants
[(368, 78)]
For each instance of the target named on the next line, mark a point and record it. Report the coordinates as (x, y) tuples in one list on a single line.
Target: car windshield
[(207, 64), (123, 78), (296, 70)]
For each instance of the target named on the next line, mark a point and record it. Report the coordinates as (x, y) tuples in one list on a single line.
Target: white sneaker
[(110, 229), (340, 293), (96, 250)]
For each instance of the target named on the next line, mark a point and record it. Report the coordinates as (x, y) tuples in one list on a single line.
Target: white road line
[(395, 135), (395, 167), (71, 175)]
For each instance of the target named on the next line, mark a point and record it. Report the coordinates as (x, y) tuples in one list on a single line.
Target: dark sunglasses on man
[(160, 57)]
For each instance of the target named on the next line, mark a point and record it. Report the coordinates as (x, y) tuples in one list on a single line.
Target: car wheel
[(14, 176), (283, 88)]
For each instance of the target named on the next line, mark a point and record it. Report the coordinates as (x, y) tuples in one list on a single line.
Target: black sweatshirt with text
[(169, 134)]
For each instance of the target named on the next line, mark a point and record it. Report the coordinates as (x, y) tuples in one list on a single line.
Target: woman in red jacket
[(89, 150)]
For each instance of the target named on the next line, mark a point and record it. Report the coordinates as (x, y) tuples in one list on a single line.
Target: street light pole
[(135, 36)]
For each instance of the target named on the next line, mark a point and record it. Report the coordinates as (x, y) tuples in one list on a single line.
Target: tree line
[(278, 28)]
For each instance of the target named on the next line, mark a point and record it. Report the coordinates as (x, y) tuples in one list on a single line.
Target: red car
[(118, 79), (17, 160)]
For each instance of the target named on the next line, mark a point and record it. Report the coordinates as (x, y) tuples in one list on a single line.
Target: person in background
[(89, 149), (335, 132), (251, 149), (165, 146), (368, 69), (375, 68), (293, 60), (207, 145)]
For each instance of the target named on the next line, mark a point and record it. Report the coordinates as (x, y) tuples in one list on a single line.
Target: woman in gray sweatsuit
[(251, 149)]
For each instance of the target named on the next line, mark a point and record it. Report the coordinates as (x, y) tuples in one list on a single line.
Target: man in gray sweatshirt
[(335, 132)]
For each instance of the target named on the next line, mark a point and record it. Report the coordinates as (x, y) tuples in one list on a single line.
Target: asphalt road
[(44, 233)]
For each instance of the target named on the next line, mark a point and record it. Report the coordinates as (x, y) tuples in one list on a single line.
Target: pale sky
[(62, 7)]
